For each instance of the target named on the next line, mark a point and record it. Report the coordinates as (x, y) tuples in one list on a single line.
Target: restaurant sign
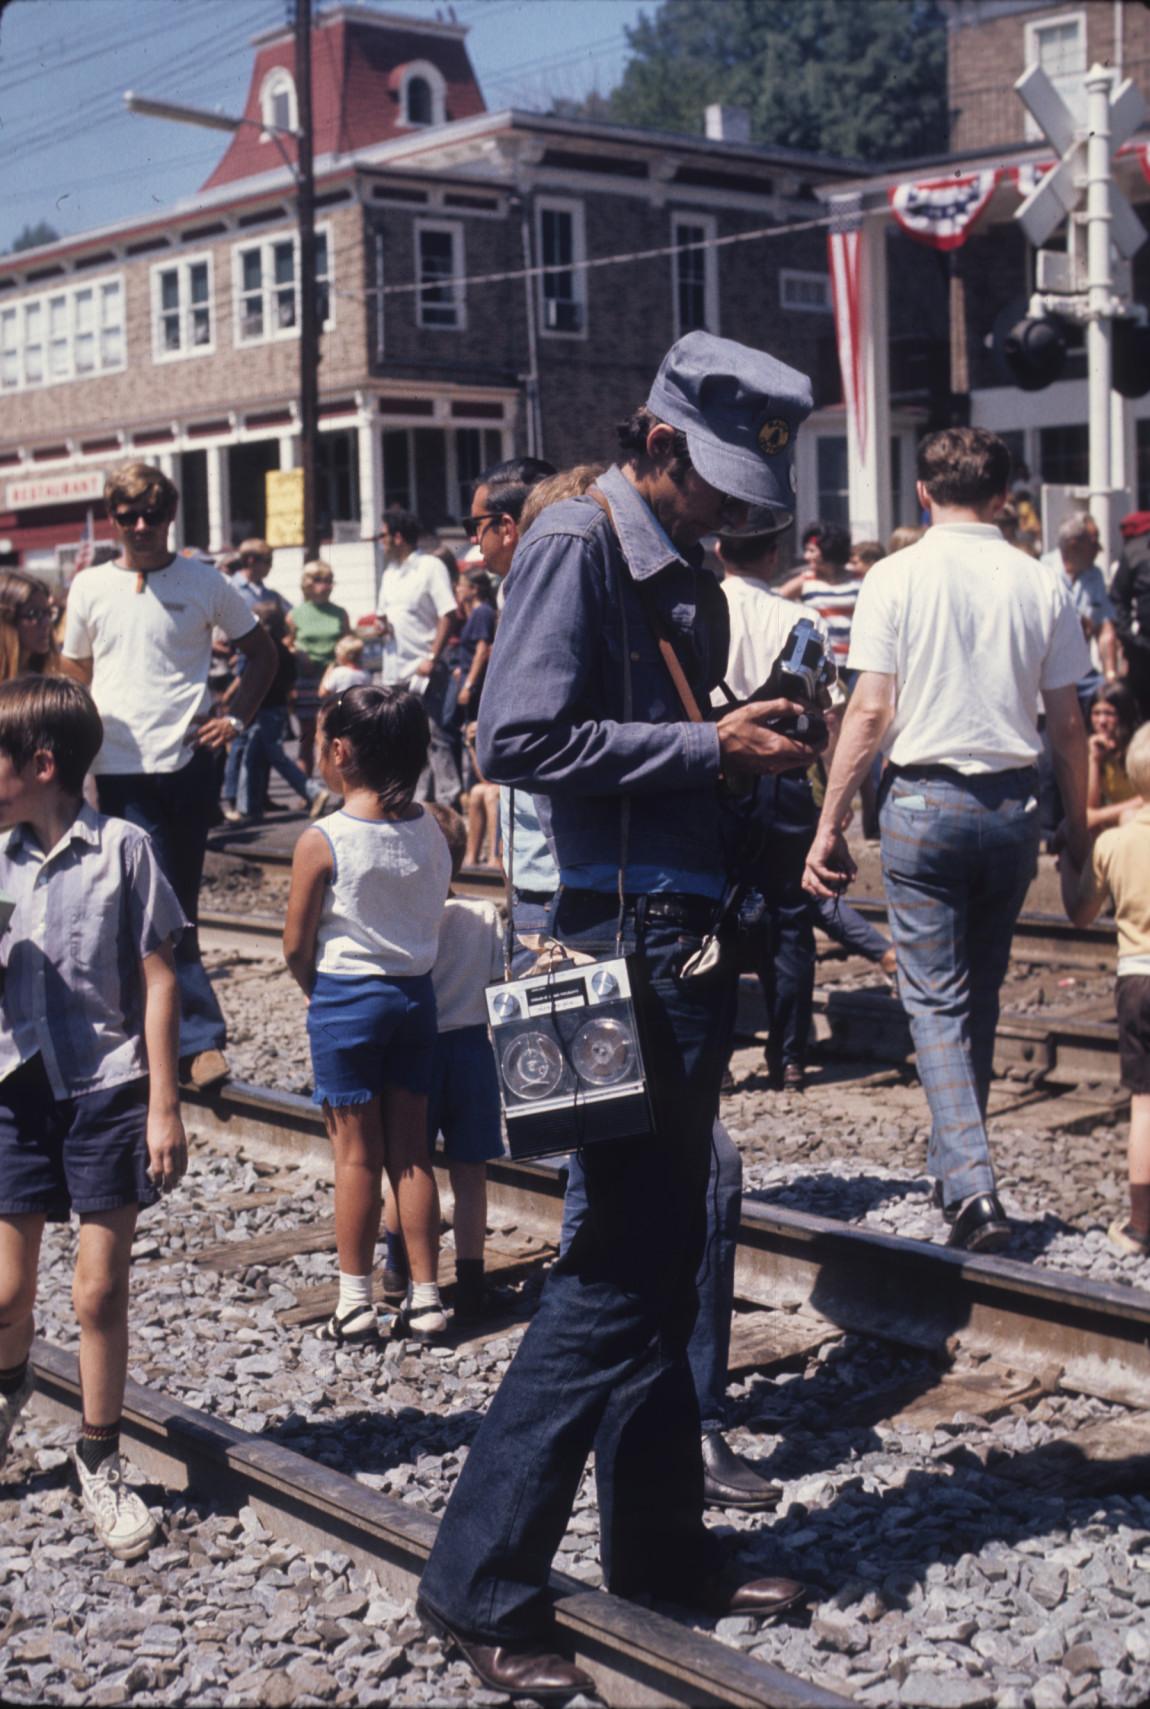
[(36, 491)]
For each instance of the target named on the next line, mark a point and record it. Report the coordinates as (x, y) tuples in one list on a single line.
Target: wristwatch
[(237, 724)]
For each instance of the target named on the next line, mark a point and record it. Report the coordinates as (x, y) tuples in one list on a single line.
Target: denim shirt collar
[(85, 828), (645, 543)]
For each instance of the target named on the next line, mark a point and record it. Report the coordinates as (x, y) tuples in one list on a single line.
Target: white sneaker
[(11, 1406), (122, 1522)]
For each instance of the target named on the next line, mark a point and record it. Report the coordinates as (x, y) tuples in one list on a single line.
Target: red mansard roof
[(358, 59)]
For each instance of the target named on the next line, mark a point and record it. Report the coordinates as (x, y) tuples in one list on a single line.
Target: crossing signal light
[(1131, 358), (1034, 352)]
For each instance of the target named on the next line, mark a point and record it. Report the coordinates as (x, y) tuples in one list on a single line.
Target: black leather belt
[(537, 898)]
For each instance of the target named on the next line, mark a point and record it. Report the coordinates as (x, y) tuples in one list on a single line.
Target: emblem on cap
[(774, 436)]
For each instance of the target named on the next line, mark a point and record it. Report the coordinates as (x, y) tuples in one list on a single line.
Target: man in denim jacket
[(603, 1364)]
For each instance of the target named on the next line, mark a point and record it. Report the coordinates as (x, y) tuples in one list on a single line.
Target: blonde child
[(346, 669), (367, 894), (464, 1103), (1119, 869)]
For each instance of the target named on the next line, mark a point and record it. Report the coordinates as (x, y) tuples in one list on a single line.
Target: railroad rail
[(813, 1275), (635, 1655), (868, 1026)]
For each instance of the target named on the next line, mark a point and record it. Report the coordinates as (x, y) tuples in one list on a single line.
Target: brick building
[(174, 337)]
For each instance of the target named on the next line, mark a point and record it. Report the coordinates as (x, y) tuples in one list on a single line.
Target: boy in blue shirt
[(89, 1106)]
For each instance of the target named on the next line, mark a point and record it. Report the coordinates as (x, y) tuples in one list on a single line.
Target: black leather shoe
[(979, 1224), (761, 1596), (519, 1671), (728, 1481)]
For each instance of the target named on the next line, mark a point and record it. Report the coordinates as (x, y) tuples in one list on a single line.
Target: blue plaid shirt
[(86, 913)]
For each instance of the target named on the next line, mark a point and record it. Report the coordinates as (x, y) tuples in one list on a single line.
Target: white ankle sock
[(424, 1296), (354, 1294)]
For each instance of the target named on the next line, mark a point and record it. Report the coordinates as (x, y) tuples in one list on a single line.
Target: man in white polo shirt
[(139, 633), (416, 608), (955, 639)]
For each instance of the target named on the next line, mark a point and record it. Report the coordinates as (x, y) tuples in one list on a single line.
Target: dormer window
[(422, 94), (278, 109)]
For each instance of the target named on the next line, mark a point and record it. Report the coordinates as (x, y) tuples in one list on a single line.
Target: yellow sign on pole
[(284, 493)]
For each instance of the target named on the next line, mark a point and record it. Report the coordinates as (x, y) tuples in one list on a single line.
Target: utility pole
[(1100, 300), (308, 318)]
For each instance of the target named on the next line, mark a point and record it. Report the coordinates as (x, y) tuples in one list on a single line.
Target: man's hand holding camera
[(752, 743)]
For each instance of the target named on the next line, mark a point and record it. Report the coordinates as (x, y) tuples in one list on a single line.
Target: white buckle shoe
[(121, 1520), (11, 1406)]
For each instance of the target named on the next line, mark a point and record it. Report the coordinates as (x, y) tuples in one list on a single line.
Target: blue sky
[(70, 154)]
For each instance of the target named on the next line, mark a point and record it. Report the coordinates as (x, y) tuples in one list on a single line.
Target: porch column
[(219, 499), (369, 446)]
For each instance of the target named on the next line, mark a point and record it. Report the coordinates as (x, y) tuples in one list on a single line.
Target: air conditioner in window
[(560, 314)]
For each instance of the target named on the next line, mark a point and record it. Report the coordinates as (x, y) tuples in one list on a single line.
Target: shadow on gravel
[(846, 1198), (378, 1441)]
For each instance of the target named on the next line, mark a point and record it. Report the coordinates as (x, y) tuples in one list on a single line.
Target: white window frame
[(182, 266), (1034, 28), (574, 207), (454, 230), (799, 275), (278, 81), (436, 82), (44, 307), (708, 225), (265, 245)]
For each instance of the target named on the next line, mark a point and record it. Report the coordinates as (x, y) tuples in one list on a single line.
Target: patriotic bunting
[(941, 211)]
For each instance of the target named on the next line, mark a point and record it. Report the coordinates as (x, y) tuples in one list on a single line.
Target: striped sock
[(98, 1442)]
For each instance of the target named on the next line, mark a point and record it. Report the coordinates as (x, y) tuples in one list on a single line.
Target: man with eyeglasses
[(255, 560), (417, 612), (497, 504), (138, 633), (583, 708)]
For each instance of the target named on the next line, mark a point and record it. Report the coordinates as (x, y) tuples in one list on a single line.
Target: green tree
[(861, 78), (33, 236)]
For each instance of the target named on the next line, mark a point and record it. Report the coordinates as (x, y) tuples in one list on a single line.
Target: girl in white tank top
[(367, 894)]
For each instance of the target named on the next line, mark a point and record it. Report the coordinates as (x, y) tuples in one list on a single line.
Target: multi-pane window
[(1058, 45), (440, 259), (695, 275), (810, 293), (562, 284), (476, 449), (267, 288), (66, 334), (182, 308)]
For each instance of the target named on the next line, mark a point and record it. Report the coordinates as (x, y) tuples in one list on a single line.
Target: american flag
[(844, 243)]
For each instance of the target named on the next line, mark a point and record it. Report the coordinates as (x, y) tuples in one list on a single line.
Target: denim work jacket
[(552, 715)]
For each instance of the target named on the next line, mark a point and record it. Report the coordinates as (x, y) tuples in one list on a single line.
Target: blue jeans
[(603, 1364), (847, 927), (177, 809), (958, 855), (708, 1350), (264, 755), (785, 949), (234, 765)]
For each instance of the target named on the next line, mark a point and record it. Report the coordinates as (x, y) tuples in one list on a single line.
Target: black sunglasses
[(148, 515), (473, 525), (37, 614)]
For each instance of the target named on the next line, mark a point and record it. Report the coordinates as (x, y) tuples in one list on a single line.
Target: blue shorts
[(367, 1033), (71, 1154), (464, 1102)]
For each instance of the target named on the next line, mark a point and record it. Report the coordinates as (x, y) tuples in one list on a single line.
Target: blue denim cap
[(741, 411)]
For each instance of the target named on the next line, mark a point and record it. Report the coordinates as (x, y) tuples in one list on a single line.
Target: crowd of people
[(594, 692)]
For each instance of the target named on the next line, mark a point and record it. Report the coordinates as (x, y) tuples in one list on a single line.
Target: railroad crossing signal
[(1060, 191)]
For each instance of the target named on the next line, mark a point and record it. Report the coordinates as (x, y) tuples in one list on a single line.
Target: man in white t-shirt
[(416, 608), (955, 639), (138, 632)]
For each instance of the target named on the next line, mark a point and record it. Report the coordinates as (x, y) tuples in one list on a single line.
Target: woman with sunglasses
[(27, 627), (313, 626)]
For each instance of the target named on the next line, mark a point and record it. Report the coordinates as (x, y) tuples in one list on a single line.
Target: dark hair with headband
[(387, 731)]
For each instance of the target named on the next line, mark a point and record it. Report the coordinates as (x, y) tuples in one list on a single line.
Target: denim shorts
[(367, 1032), (464, 1103), (71, 1154)]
